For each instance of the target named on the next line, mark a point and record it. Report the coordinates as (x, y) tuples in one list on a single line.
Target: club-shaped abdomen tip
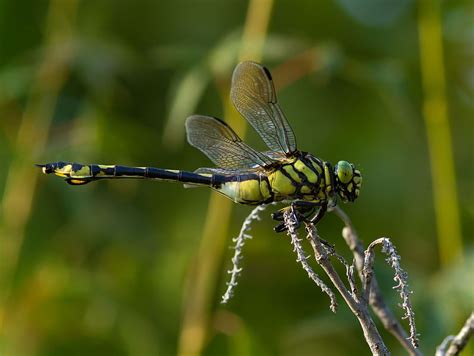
[(44, 168)]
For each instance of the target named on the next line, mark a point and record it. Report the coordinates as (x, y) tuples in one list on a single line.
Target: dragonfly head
[(348, 181)]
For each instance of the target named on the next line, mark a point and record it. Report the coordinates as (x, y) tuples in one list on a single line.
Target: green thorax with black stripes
[(303, 177)]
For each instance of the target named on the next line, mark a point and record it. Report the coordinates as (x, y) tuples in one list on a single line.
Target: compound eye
[(344, 172)]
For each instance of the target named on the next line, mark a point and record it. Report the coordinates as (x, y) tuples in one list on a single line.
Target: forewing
[(222, 145), (254, 96)]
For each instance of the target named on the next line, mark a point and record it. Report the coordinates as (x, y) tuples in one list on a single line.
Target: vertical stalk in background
[(32, 136), (253, 39), (438, 131), (202, 282)]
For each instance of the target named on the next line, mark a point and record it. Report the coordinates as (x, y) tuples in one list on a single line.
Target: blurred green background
[(138, 267)]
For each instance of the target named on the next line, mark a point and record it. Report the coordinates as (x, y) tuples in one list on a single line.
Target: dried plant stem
[(359, 309), (400, 277), (376, 300), (443, 348), (239, 244), (457, 343), (351, 279), (290, 222)]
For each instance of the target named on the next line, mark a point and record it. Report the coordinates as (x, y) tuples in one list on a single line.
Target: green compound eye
[(344, 171)]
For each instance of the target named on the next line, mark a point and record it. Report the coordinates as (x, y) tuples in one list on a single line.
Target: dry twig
[(453, 345), (357, 301), (239, 244), (376, 300), (291, 222), (358, 307), (400, 277)]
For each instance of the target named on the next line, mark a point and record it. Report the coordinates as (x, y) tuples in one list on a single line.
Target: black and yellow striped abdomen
[(79, 174), (251, 188)]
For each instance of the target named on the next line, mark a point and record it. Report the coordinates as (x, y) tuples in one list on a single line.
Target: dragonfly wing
[(276, 155), (222, 145), (254, 96), (227, 172)]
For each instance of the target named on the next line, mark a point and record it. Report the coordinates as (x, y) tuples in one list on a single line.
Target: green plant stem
[(201, 285), (435, 110), (31, 139)]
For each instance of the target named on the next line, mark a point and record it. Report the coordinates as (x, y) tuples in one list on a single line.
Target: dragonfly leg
[(302, 209), (322, 210)]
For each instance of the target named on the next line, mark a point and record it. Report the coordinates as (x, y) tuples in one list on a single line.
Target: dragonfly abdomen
[(252, 189), (79, 174)]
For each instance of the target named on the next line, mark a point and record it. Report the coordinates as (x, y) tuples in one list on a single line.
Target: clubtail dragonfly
[(243, 174)]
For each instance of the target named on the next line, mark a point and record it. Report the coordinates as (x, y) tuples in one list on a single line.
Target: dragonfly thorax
[(311, 179), (304, 177)]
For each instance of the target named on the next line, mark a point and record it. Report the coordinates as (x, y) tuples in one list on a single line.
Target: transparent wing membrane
[(225, 172), (222, 145), (253, 94)]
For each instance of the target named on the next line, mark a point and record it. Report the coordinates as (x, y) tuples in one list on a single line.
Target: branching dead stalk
[(376, 300), (363, 262), (357, 305), (291, 223), (358, 301)]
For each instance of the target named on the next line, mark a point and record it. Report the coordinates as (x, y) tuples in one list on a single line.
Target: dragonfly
[(307, 184)]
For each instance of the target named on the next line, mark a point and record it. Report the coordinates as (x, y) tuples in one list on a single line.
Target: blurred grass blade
[(438, 131), (198, 298), (190, 88), (187, 95), (31, 140)]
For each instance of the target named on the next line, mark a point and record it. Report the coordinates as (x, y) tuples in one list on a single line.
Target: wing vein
[(222, 145), (254, 96)]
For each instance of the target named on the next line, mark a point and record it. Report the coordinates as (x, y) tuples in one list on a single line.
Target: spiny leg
[(302, 209)]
